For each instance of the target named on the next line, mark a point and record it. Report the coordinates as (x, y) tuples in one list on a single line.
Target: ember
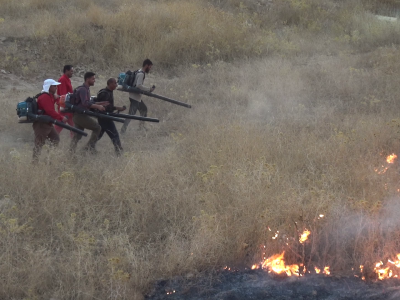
[(304, 236), (390, 159)]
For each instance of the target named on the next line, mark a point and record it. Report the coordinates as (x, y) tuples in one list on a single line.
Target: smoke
[(360, 236), (259, 105)]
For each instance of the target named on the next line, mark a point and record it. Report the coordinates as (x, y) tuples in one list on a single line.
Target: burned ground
[(260, 285)]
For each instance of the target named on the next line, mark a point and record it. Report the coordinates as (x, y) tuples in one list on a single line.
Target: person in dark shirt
[(83, 121), (108, 126)]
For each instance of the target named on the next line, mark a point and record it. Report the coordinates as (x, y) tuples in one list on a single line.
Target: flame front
[(277, 265), (387, 272)]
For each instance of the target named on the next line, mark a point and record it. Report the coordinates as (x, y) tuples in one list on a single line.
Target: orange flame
[(387, 272), (391, 158), (317, 270), (327, 271), (277, 265), (304, 236)]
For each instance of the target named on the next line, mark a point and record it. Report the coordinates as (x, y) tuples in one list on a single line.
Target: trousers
[(43, 131), (108, 126), (133, 108), (82, 122)]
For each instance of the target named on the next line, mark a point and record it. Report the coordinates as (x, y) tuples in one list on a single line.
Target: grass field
[(295, 108)]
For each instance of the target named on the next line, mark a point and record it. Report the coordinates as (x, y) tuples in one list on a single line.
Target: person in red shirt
[(64, 88), (44, 131)]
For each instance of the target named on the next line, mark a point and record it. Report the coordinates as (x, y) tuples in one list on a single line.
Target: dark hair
[(147, 62), (111, 80), (88, 75), (67, 68)]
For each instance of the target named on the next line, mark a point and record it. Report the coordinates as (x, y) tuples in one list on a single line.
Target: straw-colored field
[(295, 108)]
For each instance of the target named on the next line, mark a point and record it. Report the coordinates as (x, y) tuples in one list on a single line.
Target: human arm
[(103, 98), (98, 107), (119, 108), (84, 100), (139, 83), (46, 103)]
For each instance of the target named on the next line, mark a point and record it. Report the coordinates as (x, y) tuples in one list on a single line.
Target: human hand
[(65, 119), (121, 108), (100, 107)]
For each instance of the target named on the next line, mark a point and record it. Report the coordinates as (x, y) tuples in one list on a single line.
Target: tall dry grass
[(119, 34), (271, 143), (263, 148)]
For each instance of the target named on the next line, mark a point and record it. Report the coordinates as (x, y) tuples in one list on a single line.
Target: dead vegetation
[(271, 142)]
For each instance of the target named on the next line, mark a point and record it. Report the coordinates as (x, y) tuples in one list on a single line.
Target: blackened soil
[(259, 285)]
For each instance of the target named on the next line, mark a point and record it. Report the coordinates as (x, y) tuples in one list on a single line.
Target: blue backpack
[(27, 108)]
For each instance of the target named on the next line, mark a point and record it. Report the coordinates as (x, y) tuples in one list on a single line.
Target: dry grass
[(204, 195), (270, 142), (117, 34)]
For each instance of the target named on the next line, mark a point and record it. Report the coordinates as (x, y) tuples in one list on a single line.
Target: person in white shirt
[(136, 98)]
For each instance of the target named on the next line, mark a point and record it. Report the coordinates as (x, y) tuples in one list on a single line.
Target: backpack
[(121, 79), (128, 79), (27, 108), (71, 98)]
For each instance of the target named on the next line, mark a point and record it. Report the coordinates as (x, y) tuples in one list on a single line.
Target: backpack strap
[(103, 91), (40, 94), (139, 71), (75, 90)]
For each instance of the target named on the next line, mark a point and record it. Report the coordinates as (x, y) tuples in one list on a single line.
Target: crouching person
[(83, 121), (108, 126), (44, 131)]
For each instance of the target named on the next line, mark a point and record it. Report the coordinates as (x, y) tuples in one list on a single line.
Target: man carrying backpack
[(136, 98), (82, 121), (43, 131), (108, 126), (63, 88)]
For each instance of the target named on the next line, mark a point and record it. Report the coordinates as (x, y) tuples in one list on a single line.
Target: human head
[(68, 70), (90, 78), (50, 86), (147, 64), (112, 84)]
